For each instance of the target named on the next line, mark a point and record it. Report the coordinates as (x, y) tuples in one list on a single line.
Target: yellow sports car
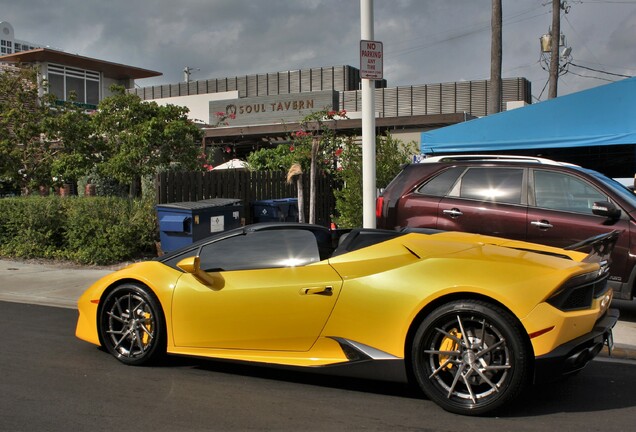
[(469, 318)]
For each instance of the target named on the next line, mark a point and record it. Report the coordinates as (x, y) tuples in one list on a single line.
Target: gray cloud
[(424, 41)]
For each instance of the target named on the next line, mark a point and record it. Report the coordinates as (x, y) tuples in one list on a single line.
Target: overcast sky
[(425, 41)]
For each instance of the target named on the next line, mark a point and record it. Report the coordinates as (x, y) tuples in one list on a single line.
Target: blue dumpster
[(275, 210), (181, 224)]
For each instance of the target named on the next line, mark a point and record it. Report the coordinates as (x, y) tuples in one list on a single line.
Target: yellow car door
[(282, 307)]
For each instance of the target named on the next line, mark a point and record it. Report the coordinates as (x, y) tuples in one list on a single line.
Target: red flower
[(208, 167), (292, 148), (339, 152), (342, 113), (228, 149)]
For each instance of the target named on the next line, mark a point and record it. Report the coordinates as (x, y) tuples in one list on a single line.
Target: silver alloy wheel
[(468, 358), (471, 357), (132, 325)]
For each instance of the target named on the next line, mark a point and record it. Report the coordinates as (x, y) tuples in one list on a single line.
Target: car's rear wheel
[(131, 325), (470, 357)]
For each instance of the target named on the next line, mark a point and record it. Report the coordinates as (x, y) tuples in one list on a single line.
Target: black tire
[(470, 357), (132, 326)]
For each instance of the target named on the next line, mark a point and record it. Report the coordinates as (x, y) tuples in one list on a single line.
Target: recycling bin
[(183, 223), (275, 210)]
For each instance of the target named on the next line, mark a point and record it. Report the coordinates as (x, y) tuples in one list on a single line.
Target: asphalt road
[(51, 381)]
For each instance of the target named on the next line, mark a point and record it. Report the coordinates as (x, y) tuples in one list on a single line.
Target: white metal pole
[(368, 126)]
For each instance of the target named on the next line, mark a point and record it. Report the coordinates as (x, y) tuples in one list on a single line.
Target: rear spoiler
[(600, 247)]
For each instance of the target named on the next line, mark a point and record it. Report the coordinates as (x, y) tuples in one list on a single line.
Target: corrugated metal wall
[(340, 78), (447, 98)]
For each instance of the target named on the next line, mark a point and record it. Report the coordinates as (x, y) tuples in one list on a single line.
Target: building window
[(78, 85)]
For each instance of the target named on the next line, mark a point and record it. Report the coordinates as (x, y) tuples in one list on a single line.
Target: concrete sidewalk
[(61, 285), (46, 284)]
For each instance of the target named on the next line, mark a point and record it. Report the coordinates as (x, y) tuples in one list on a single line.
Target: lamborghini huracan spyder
[(470, 319)]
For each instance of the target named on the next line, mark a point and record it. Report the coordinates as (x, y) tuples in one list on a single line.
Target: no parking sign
[(371, 56)]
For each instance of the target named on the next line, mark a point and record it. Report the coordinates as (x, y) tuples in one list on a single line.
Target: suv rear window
[(481, 183), (441, 184)]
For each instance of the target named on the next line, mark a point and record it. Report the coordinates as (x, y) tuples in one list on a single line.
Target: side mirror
[(606, 209), (192, 265)]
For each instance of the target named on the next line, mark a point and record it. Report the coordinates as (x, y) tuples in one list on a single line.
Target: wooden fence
[(248, 186)]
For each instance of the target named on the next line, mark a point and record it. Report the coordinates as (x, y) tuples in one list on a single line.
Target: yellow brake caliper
[(146, 336), (449, 344)]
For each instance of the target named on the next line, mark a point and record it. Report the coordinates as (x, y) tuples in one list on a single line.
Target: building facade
[(267, 107), (9, 44), (83, 80)]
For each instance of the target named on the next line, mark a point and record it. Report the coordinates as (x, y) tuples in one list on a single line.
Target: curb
[(620, 351)]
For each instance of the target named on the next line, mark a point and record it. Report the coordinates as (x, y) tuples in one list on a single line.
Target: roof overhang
[(109, 69), (426, 122)]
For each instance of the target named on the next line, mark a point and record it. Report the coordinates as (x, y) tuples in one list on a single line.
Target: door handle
[(326, 291), (454, 212), (542, 224)]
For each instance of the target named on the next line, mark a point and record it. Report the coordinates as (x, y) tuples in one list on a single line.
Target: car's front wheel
[(131, 325), (470, 357)]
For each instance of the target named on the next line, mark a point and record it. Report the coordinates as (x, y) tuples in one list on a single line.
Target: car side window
[(261, 249), (504, 185), (441, 184), (560, 191)]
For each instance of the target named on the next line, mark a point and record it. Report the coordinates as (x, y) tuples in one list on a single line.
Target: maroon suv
[(531, 199)]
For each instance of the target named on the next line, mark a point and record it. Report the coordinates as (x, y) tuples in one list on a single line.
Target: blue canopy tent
[(601, 116)]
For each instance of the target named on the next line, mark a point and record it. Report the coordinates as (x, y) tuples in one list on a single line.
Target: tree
[(391, 154), (318, 131), (140, 137), (315, 147), (79, 149), (25, 153), (295, 173)]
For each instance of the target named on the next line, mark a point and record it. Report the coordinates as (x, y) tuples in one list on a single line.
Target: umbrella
[(233, 164)]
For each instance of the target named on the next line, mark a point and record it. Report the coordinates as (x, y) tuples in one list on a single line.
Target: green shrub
[(31, 227), (90, 230), (103, 230)]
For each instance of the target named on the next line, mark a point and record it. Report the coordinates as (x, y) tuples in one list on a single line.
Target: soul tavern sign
[(281, 108)]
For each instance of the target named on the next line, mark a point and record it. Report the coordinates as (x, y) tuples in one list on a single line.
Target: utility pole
[(494, 102), (555, 34)]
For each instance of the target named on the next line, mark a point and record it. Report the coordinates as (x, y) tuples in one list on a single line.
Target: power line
[(608, 1), (601, 71), (581, 38), (476, 28), (591, 76)]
